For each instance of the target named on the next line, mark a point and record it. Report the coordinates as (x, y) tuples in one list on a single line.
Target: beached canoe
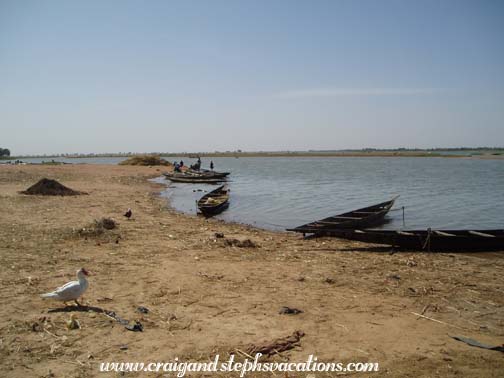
[(361, 218), (194, 180), (207, 173), (214, 202), (429, 240)]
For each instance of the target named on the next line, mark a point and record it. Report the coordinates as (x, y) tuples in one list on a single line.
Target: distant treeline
[(403, 149), (430, 151), (4, 152)]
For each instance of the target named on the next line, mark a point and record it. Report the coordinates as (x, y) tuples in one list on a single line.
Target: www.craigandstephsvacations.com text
[(181, 368)]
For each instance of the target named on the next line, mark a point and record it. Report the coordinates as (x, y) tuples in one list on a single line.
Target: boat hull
[(214, 202), (207, 173), (210, 212), (360, 218), (428, 240), (193, 178)]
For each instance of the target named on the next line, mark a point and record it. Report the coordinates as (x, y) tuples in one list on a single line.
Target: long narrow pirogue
[(361, 218), (195, 178), (214, 202), (429, 240), (207, 173)]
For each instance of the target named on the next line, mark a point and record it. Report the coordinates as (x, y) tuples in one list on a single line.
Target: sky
[(174, 76)]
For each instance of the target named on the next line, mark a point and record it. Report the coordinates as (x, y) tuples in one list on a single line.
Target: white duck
[(72, 290)]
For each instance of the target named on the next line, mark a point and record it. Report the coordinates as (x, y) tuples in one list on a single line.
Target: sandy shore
[(207, 297)]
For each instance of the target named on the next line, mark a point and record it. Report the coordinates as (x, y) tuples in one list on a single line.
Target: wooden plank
[(405, 233), (341, 217), (443, 233), (482, 234)]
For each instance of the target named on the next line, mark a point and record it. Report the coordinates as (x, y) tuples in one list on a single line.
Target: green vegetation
[(145, 160)]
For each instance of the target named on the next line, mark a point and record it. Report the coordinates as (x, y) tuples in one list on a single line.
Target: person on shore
[(211, 165), (176, 167), (181, 163)]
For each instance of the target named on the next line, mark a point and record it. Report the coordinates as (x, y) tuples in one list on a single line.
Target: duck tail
[(49, 295)]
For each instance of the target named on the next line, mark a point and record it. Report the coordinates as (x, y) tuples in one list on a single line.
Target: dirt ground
[(207, 297)]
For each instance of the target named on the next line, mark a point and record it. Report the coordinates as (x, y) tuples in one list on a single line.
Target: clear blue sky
[(110, 76)]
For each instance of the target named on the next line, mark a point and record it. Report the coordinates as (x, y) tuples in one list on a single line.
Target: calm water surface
[(276, 193)]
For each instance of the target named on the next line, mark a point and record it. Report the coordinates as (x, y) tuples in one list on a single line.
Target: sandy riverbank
[(207, 297)]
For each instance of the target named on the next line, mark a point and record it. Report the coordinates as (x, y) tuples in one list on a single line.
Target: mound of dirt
[(145, 160), (48, 187)]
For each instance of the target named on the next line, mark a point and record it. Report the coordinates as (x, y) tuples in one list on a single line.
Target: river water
[(276, 193)]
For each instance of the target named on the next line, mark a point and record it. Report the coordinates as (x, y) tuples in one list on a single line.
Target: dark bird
[(128, 214)]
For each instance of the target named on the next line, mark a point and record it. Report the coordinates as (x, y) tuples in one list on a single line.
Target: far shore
[(467, 154)]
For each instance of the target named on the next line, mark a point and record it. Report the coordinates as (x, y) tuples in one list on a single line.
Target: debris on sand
[(411, 263), (135, 326), (210, 277), (106, 223), (219, 235), (36, 327), (142, 310), (475, 343), (145, 160), (247, 243), (289, 311), (40, 324), (72, 323), (48, 187), (276, 346), (98, 227)]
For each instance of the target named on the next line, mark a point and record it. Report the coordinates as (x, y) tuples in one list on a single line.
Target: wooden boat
[(214, 202), (189, 177), (428, 240), (361, 218), (194, 180), (207, 173)]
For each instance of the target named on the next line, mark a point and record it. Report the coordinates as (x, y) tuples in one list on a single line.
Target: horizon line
[(365, 149)]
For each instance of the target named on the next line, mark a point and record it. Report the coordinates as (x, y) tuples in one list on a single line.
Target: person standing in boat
[(211, 165)]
